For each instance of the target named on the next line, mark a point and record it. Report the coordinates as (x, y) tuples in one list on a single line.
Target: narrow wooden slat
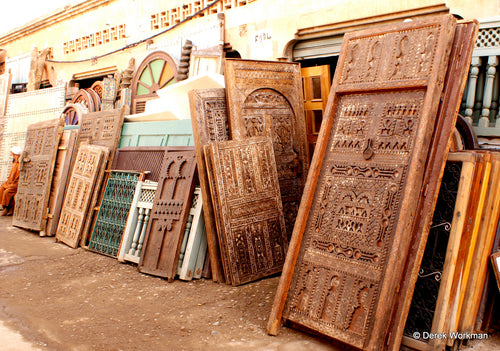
[(65, 154)]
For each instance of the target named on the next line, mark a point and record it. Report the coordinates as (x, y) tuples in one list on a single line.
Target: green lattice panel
[(113, 212)]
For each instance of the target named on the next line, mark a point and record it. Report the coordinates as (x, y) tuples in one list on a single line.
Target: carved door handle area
[(368, 152)]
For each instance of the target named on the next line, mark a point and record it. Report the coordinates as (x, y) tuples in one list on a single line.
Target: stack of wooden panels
[(453, 273), (262, 99), (375, 174)]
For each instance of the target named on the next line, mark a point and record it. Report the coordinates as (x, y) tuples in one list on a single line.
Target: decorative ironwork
[(427, 286), (113, 212)]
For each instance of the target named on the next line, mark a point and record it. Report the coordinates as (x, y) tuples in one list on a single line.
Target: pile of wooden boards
[(252, 158), (367, 207), (451, 283)]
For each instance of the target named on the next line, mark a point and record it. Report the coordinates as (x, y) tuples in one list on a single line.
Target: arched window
[(156, 71)]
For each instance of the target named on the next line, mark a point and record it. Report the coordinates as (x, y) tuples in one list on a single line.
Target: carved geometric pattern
[(266, 99), (248, 209), (99, 38), (142, 158), (169, 214), (36, 170), (488, 37), (353, 223), (113, 212), (79, 192), (103, 129), (24, 109), (210, 124)]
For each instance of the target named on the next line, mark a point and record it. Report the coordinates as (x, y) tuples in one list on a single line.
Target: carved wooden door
[(249, 214), (209, 119), (36, 167), (167, 222), (265, 98), (88, 165), (354, 226), (103, 129), (316, 84)]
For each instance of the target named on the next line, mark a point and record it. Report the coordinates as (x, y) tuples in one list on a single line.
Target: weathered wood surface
[(103, 129), (454, 84), (352, 234), (157, 133), (65, 153), (88, 165), (266, 99), (171, 206), (481, 248), (210, 124), (36, 166), (249, 219)]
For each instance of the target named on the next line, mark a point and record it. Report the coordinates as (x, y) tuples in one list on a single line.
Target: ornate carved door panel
[(248, 209), (316, 83), (36, 167), (169, 214), (209, 119), (454, 83), (353, 229), (65, 153), (265, 98), (88, 165), (103, 129)]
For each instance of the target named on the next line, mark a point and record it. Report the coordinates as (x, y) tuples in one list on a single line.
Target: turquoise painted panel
[(158, 133)]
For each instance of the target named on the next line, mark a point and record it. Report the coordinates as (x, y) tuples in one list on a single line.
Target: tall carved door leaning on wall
[(353, 229), (36, 167), (265, 99), (316, 84), (169, 214)]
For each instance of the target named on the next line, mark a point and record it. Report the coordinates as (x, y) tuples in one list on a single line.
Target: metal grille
[(140, 159), (424, 300), (113, 212)]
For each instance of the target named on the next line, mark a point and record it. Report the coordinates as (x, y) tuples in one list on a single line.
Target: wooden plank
[(36, 168), (266, 98), (161, 133), (186, 270), (65, 153), (202, 252), (250, 220), (88, 165), (362, 192), (482, 249), (209, 121), (454, 84), (473, 228), (169, 214)]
